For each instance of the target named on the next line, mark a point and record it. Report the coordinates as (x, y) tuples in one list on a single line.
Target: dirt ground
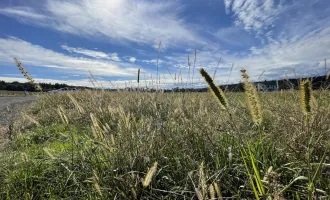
[(9, 107)]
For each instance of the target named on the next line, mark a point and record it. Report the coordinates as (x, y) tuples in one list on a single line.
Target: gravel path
[(8, 107)]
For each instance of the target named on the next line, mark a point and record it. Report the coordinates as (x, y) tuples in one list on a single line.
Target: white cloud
[(153, 61), (90, 53), (19, 75), (132, 59), (146, 22), (114, 57), (228, 5), (305, 53), (22, 12), (255, 14), (36, 55)]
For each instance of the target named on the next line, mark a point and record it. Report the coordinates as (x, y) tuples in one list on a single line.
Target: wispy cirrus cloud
[(92, 53), (304, 53), (22, 12), (153, 61), (143, 22), (255, 14), (36, 55), (86, 52)]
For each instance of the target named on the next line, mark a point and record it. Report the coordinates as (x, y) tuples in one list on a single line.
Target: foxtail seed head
[(306, 96), (252, 98), (27, 75), (217, 190), (211, 192), (216, 91), (147, 179)]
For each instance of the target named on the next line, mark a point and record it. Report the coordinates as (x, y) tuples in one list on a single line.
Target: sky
[(64, 41)]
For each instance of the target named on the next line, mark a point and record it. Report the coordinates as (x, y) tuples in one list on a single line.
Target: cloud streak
[(22, 12), (35, 55), (143, 22), (86, 52)]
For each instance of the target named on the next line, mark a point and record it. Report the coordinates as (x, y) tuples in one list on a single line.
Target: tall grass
[(136, 145)]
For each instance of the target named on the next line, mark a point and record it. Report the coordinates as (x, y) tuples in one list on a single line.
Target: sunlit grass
[(134, 145)]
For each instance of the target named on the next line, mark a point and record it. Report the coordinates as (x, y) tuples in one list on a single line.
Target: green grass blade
[(256, 172), (249, 174)]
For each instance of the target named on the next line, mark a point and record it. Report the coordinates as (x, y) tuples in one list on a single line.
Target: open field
[(134, 145)]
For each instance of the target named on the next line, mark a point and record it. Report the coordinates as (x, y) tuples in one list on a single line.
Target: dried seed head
[(216, 91), (147, 179), (211, 192), (61, 113), (252, 98), (198, 194), (217, 190), (76, 104), (306, 96), (27, 75), (97, 130), (26, 116), (96, 184), (202, 180), (49, 154)]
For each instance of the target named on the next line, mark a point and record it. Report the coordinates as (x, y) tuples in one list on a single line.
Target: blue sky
[(61, 41)]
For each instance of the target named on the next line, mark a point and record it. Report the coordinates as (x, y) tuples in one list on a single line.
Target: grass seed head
[(147, 179), (217, 190), (27, 75), (252, 98), (306, 96), (216, 91), (211, 191), (76, 104), (49, 154)]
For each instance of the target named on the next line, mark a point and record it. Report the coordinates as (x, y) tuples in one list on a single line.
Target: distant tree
[(16, 86)]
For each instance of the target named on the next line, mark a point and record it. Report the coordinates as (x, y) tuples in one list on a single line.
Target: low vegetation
[(136, 145)]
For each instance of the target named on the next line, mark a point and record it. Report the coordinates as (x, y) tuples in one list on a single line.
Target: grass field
[(134, 145)]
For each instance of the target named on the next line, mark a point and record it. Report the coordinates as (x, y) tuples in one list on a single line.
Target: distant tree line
[(16, 86), (285, 84)]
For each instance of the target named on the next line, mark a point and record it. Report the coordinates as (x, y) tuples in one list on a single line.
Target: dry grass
[(105, 143)]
